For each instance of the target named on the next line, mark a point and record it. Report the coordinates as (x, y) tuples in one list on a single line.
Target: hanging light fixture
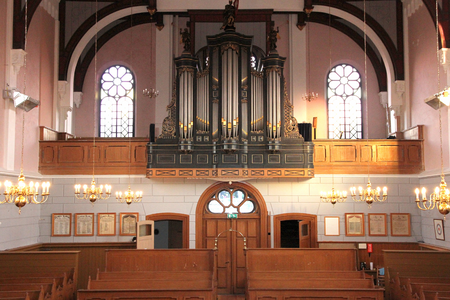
[(92, 192), (368, 195), (332, 196), (441, 196), (151, 93), (129, 196), (309, 96), (21, 194)]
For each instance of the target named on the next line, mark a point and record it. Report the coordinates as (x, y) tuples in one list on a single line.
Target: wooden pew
[(416, 290), (401, 286), (433, 295), (307, 273), (176, 274), (414, 263), (27, 295), (55, 268)]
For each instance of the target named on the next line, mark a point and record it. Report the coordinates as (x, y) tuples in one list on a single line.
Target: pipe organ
[(230, 116)]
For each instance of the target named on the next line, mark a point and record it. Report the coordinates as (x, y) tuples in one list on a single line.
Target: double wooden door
[(231, 271), (226, 213)]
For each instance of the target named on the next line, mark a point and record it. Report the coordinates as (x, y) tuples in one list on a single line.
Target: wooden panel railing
[(68, 155), (388, 156), (75, 156)]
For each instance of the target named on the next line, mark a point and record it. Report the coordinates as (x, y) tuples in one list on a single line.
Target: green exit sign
[(232, 216)]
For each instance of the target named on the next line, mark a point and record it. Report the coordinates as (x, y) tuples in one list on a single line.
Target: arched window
[(117, 102), (344, 103)]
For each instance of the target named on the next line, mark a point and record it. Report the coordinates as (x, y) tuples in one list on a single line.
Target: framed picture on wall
[(439, 229), (106, 224), (61, 224), (332, 226), (354, 224), (377, 224), (400, 224), (84, 224), (128, 223)]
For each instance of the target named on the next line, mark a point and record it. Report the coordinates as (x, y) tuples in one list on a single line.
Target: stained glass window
[(117, 102), (344, 103), (231, 201)]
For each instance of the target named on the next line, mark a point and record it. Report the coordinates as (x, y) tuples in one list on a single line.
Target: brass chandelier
[(21, 194), (332, 196), (92, 192), (441, 196), (368, 195), (129, 196)]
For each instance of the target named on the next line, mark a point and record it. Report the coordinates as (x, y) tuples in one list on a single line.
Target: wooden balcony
[(62, 154)]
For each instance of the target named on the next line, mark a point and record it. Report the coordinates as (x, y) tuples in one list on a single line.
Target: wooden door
[(305, 233), (228, 221), (304, 229)]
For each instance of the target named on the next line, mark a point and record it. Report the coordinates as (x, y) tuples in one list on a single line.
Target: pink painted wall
[(2, 77), (282, 23), (344, 50), (38, 84), (424, 83), (47, 37), (137, 56)]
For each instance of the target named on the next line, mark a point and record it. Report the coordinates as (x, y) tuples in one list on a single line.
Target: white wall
[(281, 196)]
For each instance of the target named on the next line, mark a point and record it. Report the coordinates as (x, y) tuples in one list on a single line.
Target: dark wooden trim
[(19, 21), (293, 216), (260, 15), (174, 216), (206, 196)]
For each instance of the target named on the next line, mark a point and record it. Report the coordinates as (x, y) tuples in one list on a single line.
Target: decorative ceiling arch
[(378, 65)]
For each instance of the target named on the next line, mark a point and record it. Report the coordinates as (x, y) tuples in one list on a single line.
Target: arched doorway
[(295, 230), (176, 230), (240, 207)]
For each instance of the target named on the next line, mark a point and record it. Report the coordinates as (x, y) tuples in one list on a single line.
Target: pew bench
[(415, 290), (308, 274), (313, 283), (27, 295), (401, 289), (153, 275)]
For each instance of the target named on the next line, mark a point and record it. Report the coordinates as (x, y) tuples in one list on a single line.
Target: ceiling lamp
[(151, 93), (92, 192), (368, 194), (441, 196), (22, 194)]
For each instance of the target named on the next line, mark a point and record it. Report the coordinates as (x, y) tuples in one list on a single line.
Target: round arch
[(206, 196)]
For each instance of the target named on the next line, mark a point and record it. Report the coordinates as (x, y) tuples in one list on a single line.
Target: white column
[(445, 62), (400, 92), (297, 67), (164, 69)]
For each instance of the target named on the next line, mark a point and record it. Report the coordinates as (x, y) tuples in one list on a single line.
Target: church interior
[(230, 150)]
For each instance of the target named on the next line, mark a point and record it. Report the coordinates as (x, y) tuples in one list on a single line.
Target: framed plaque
[(400, 224), (439, 229), (106, 224), (332, 226), (84, 224), (61, 224), (128, 223), (354, 224), (377, 224)]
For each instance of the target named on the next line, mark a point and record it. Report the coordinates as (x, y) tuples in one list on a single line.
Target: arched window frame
[(343, 130), (102, 97)]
